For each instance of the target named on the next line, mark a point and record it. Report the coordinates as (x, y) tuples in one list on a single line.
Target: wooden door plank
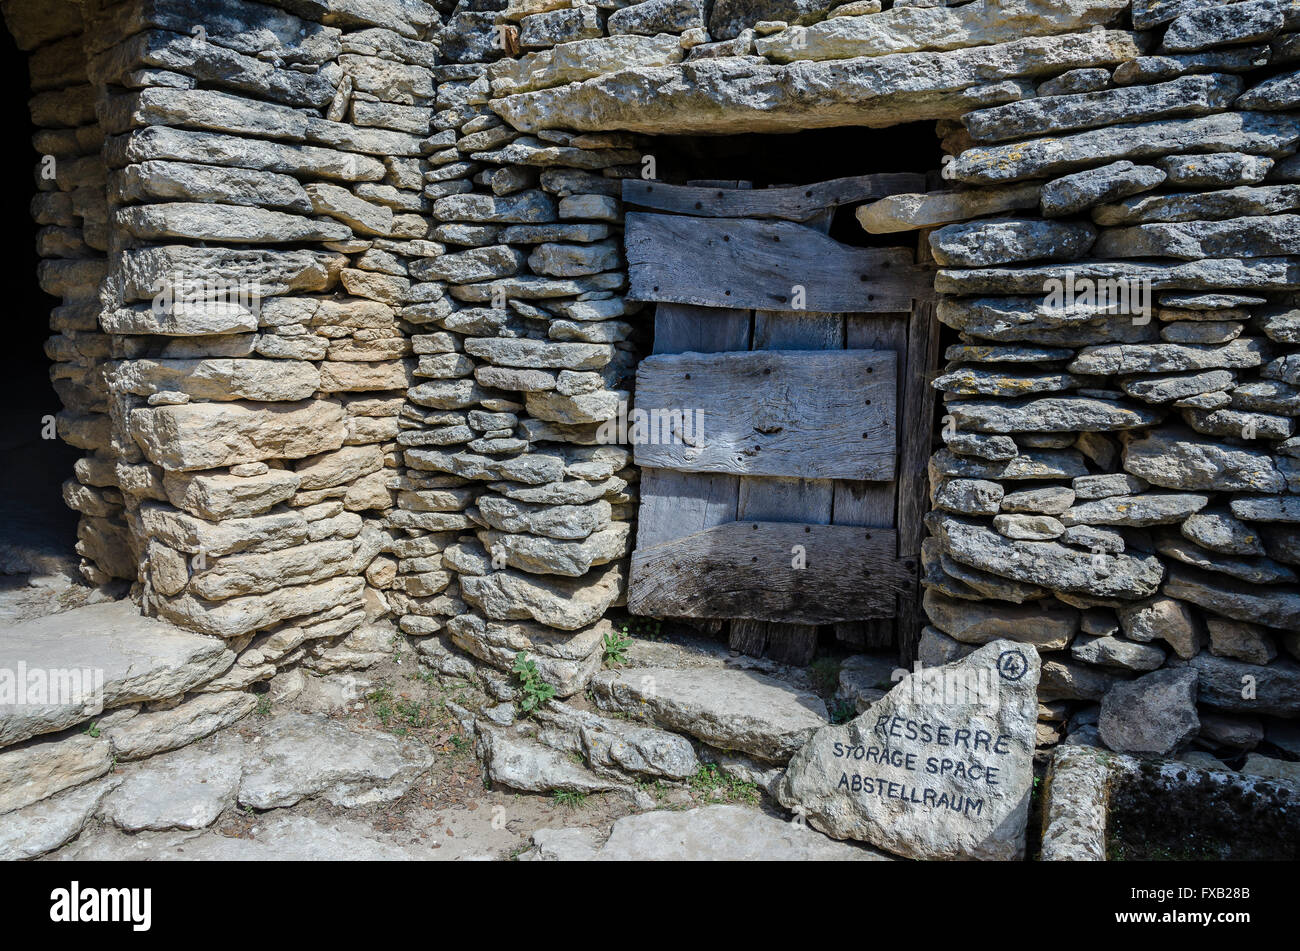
[(870, 504), (803, 414), (783, 499), (917, 421), (743, 570), (763, 265), (682, 328), (791, 203), (674, 504), (679, 503)]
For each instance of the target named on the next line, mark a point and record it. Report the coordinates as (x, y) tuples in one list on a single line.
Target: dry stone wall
[(1116, 480), (1120, 474), (401, 428)]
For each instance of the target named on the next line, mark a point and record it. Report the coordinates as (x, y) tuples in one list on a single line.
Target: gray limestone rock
[(913, 775), (1049, 415), (1083, 190), (1241, 641), (303, 756), (1261, 236), (1047, 563), (1218, 530), (935, 27), (1076, 793), (1149, 508), (733, 93), (729, 17), (978, 622), (187, 789), (969, 496), (116, 656), (1154, 714), (1028, 527), (514, 760), (1108, 359), (1256, 132), (1221, 25), (984, 243), (1166, 388), (623, 747), (564, 603), (1239, 687), (729, 833), (1242, 201), (1177, 459), (1275, 606), (729, 709), (44, 826), (1215, 170), (651, 17), (1186, 96), (1166, 619), (1110, 651)]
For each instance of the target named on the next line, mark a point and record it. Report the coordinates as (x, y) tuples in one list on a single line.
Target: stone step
[(736, 710), (268, 764), (96, 658), (615, 747), (518, 761), (727, 833)]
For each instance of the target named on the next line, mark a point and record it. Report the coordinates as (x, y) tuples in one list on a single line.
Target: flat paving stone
[(138, 659), (727, 833), (302, 755)]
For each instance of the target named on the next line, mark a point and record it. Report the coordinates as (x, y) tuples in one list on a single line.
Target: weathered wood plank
[(779, 500), (762, 265), (805, 414), (681, 328), (798, 330), (917, 421), (870, 503), (673, 503), (793, 203), (747, 570)]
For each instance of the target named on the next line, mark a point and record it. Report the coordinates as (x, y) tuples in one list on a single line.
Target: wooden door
[(788, 415)]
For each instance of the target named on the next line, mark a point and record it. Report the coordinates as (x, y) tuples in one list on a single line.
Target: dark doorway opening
[(37, 530), (801, 158)]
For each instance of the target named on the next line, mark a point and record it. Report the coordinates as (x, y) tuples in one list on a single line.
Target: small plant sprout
[(616, 646), (535, 690)]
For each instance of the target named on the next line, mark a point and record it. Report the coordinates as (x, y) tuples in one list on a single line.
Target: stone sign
[(940, 768)]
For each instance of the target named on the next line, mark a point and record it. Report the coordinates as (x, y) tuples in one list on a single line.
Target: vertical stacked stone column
[(517, 372), (264, 200)]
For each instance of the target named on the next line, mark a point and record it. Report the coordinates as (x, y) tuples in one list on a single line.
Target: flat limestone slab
[(44, 826), (282, 837), (303, 755), (730, 709), (714, 96), (135, 659), (727, 833), (187, 789)]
